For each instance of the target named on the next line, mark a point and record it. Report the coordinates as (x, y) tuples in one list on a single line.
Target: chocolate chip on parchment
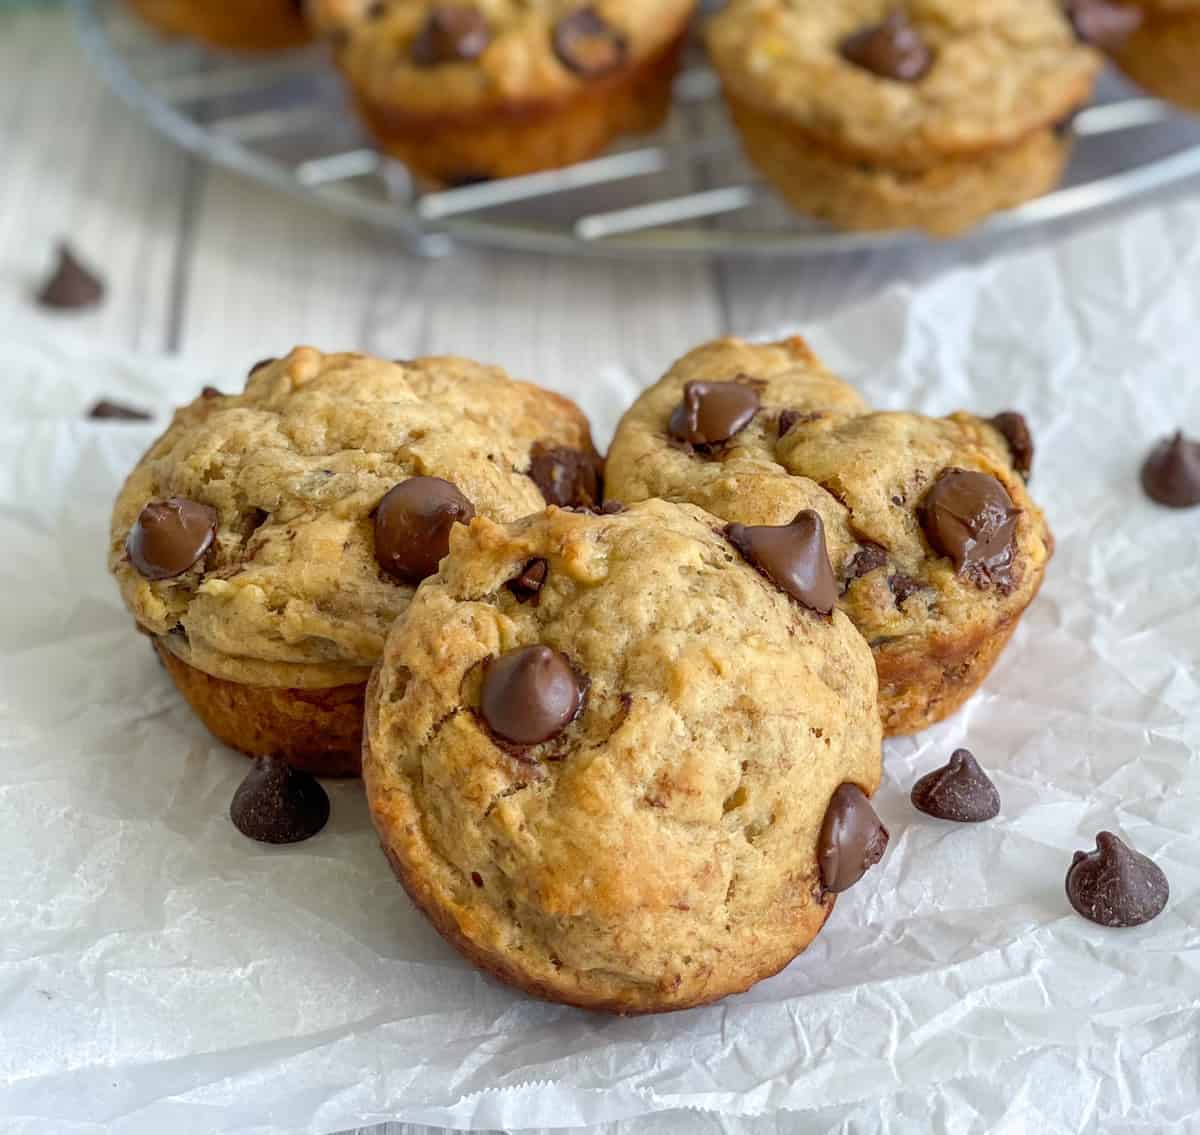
[(971, 518), (530, 694), (960, 791), (566, 477), (587, 44), (792, 556), (70, 286), (412, 526), (713, 412), (1171, 473), (1115, 885), (1015, 430), (276, 803), (1102, 23), (170, 536), (109, 411), (852, 839), (526, 586), (893, 49), (453, 33)]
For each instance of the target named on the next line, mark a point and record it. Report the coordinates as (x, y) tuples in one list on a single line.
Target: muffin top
[(425, 57), (272, 537), (601, 750), (909, 83)]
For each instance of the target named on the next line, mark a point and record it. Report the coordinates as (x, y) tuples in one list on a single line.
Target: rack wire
[(684, 191)]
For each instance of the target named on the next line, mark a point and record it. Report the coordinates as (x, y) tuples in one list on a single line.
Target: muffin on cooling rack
[(930, 114), (248, 25), (267, 540), (1162, 49), (935, 543), (623, 761), (494, 88)]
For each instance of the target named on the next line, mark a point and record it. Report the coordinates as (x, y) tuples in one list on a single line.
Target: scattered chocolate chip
[(453, 33), (903, 587), (71, 286), (527, 586), (257, 367), (971, 518), (852, 839), (477, 878), (530, 694), (713, 412), (170, 536), (960, 791), (565, 476), (1115, 885), (866, 560), (412, 526), (279, 804), (104, 410), (893, 49), (1171, 473), (589, 45), (1102, 23), (1016, 433), (792, 556), (789, 418)]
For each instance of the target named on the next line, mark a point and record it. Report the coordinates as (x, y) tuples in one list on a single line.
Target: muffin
[(267, 540), (465, 92), (935, 543), (929, 115), (616, 763), (248, 25), (1162, 49)]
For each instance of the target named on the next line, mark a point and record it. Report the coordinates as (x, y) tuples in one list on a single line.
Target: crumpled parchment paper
[(160, 973)]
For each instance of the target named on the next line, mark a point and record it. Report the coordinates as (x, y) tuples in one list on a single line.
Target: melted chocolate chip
[(589, 45), (412, 526), (903, 587), (866, 560), (170, 536), (1115, 885), (791, 556), (566, 477), (279, 804), (1102, 23), (527, 585), (71, 286), (789, 418), (713, 412), (454, 33), (960, 791), (1171, 473), (971, 518), (893, 49), (1016, 433), (104, 410), (259, 366), (530, 694), (852, 839)]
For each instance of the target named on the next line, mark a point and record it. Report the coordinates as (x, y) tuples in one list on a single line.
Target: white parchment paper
[(160, 973)]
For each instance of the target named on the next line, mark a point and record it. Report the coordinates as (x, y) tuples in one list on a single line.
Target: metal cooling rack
[(683, 191)]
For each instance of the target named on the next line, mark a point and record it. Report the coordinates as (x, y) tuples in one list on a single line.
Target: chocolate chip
[(713, 412), (589, 45), (1171, 473), (259, 365), (971, 518), (530, 694), (1016, 433), (1115, 885), (104, 410), (279, 804), (412, 526), (612, 508), (527, 585), (789, 418), (792, 556), (211, 392), (852, 839), (170, 536), (71, 286), (866, 560), (893, 49), (959, 791), (903, 587), (1103, 23), (565, 476), (453, 33)]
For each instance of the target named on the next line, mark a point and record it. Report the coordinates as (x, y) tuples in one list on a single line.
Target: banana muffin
[(1162, 49), (935, 542), (494, 88), (623, 760), (247, 25), (931, 114), (267, 540)]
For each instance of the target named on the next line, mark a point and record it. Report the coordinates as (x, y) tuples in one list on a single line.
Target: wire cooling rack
[(685, 190)]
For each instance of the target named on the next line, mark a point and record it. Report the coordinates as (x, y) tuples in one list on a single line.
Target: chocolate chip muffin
[(247, 25), (466, 91), (935, 543), (1159, 47), (622, 761), (267, 540), (931, 114)]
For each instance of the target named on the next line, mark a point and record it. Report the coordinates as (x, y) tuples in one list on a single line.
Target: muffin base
[(944, 199), (318, 731), (264, 25), (1162, 56), (525, 137)]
